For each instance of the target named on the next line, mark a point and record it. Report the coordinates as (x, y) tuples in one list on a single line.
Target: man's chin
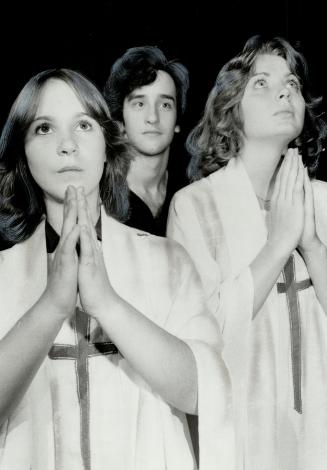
[(152, 151)]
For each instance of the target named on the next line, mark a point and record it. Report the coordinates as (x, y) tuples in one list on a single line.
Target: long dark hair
[(218, 136), (21, 200)]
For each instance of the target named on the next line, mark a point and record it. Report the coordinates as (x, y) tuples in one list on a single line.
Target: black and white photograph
[(163, 236)]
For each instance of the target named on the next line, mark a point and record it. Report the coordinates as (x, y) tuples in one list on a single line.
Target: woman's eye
[(43, 129), (294, 84), (260, 83), (84, 126)]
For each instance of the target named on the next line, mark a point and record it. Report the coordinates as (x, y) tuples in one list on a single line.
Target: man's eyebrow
[(168, 97), (133, 96)]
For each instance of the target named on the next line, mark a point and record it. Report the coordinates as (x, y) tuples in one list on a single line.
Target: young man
[(146, 94)]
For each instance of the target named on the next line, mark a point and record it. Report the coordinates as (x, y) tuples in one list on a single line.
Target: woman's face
[(272, 105), (64, 145)]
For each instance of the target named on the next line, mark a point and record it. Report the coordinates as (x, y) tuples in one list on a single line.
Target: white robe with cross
[(90, 411), (278, 360)]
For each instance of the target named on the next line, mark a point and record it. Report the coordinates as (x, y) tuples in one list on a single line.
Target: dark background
[(90, 36)]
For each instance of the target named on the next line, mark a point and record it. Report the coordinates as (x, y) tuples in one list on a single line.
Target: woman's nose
[(284, 93), (67, 145)]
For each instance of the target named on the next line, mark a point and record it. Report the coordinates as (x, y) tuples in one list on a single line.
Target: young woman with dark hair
[(105, 341)]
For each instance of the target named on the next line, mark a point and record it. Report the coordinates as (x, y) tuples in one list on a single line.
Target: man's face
[(150, 114)]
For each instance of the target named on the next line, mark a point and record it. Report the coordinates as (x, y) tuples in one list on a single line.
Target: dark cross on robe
[(87, 345), (291, 288)]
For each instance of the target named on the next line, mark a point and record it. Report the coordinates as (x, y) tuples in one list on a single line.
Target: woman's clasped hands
[(292, 215), (71, 273)]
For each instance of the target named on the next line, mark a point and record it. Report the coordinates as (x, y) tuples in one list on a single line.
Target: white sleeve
[(191, 320), (229, 298)]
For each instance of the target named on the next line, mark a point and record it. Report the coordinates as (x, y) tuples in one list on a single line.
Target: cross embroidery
[(291, 288), (87, 345)]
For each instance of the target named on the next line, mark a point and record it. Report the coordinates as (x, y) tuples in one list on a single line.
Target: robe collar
[(241, 216)]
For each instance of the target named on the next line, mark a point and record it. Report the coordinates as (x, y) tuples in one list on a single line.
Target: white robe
[(219, 221), (130, 426)]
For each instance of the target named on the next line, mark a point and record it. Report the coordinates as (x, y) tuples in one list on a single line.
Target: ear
[(177, 129)]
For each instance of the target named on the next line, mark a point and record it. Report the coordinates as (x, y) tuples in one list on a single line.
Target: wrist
[(54, 309), (104, 306), (314, 249), (279, 249)]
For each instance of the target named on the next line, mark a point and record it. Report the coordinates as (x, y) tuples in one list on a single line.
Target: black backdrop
[(89, 36)]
